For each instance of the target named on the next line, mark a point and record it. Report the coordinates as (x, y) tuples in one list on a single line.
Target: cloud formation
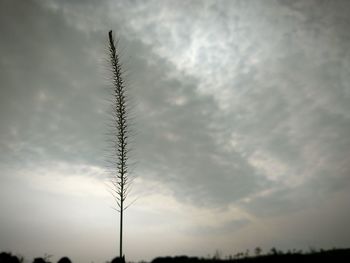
[(241, 112)]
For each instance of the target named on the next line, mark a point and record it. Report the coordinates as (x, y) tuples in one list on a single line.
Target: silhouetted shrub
[(39, 260), (177, 259), (64, 260), (118, 260), (8, 258)]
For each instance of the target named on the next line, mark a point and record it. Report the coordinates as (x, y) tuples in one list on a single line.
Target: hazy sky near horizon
[(242, 123)]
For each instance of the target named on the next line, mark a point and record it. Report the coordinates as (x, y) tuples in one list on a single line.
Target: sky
[(241, 118)]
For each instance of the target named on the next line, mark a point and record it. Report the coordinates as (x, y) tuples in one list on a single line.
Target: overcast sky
[(241, 121)]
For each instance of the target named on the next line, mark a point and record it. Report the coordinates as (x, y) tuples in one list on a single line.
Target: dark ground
[(334, 255)]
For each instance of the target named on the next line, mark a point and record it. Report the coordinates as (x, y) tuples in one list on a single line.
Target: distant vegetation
[(273, 256)]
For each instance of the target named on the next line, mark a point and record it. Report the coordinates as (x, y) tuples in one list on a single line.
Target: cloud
[(241, 108), (50, 88), (178, 125)]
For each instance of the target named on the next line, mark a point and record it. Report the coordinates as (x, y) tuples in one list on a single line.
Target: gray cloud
[(236, 103), (49, 101), (177, 141)]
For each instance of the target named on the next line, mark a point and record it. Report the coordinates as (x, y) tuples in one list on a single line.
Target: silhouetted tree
[(64, 260), (8, 258), (257, 251), (273, 251), (120, 112), (118, 260), (40, 260)]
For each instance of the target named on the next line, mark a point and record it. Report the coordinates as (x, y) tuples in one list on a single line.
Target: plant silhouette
[(120, 134), (64, 260)]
